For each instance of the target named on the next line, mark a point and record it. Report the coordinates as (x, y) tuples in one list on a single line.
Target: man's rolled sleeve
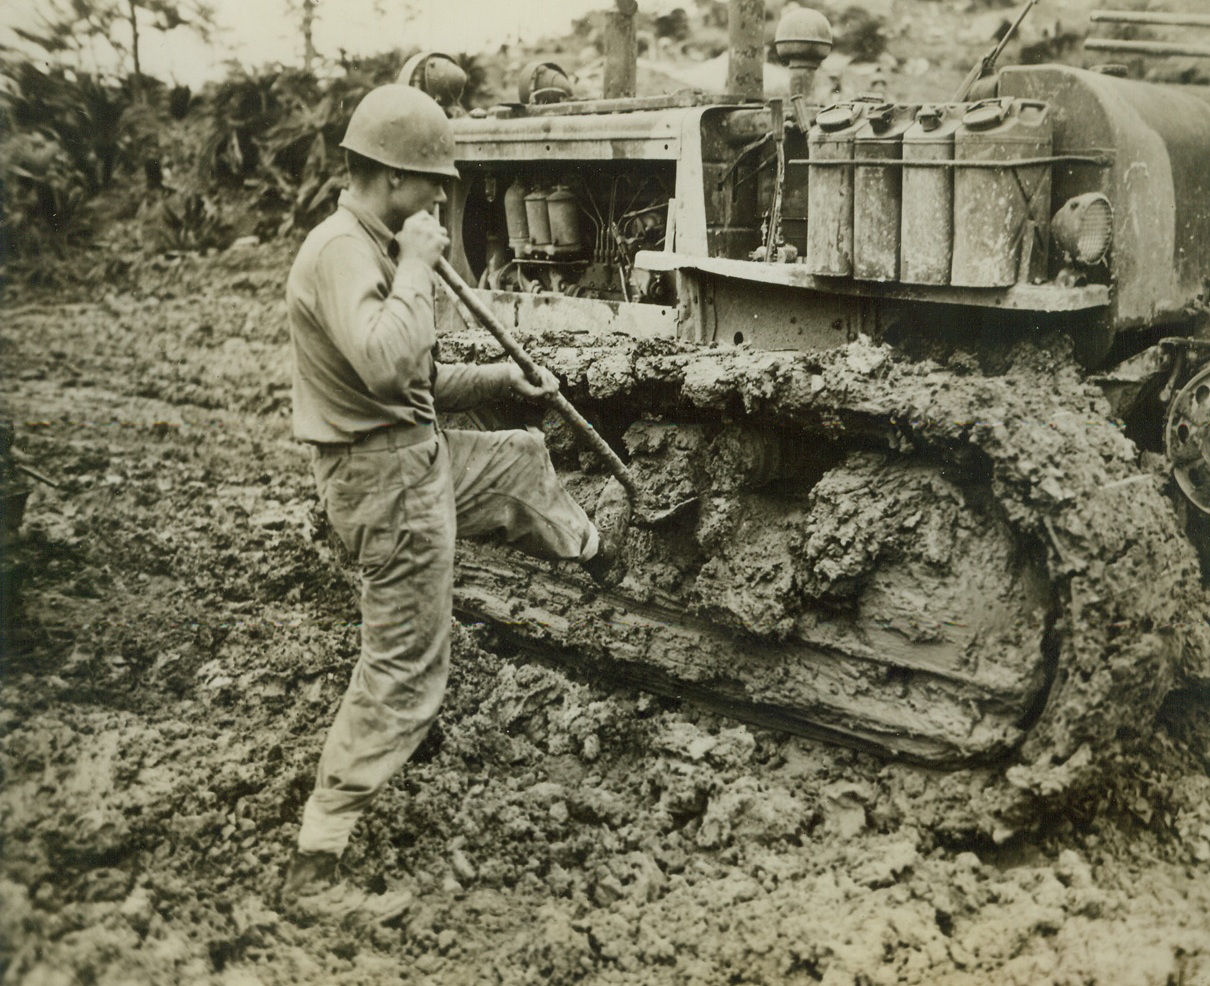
[(463, 385), (385, 336)]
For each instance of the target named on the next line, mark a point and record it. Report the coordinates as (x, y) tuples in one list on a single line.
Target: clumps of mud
[(1110, 614), (183, 646), (553, 832)]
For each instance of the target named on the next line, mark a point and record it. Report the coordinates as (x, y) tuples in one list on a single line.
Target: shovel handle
[(560, 403)]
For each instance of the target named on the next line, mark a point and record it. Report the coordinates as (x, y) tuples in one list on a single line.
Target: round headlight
[(1083, 228)]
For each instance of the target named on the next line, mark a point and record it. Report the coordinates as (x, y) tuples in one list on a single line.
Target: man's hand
[(522, 387), (422, 238)]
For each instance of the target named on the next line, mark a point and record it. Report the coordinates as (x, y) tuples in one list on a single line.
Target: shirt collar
[(373, 225)]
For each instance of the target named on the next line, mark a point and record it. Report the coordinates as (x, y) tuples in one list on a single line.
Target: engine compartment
[(568, 228)]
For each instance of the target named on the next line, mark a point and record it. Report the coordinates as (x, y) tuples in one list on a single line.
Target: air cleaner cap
[(803, 37)]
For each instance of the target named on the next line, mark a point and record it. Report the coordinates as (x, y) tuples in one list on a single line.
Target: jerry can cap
[(880, 113), (985, 115), (929, 116), (836, 117)]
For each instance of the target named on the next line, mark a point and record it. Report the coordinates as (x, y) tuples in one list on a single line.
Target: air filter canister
[(515, 217), (539, 219), (563, 210)]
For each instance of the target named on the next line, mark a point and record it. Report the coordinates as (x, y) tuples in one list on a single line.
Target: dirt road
[(183, 646)]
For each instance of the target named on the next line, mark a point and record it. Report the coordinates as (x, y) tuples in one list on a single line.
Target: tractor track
[(1118, 608)]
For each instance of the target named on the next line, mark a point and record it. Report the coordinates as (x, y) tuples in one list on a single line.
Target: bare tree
[(410, 10), (308, 26), (69, 28)]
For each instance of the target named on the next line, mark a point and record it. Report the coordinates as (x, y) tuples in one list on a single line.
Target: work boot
[(612, 521), (348, 906), (311, 893), (308, 873)]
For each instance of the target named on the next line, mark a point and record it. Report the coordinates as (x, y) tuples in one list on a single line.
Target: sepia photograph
[(607, 492)]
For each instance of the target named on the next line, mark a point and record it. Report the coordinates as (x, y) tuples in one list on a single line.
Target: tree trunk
[(308, 41), (136, 82)]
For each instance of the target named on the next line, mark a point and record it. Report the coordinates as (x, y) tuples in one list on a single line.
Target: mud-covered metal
[(929, 564), (926, 558), (1187, 439)]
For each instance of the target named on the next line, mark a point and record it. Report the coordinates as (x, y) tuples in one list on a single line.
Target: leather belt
[(380, 440)]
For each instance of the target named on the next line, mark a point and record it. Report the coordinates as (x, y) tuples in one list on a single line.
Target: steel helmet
[(404, 128), (435, 73), (543, 82)]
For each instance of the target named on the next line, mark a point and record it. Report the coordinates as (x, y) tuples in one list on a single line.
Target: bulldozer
[(934, 379)]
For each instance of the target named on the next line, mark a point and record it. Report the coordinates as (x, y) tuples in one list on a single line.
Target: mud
[(1077, 608), (183, 643)]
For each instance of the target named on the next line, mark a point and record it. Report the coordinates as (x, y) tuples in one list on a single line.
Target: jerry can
[(877, 191), (927, 228), (830, 189), (1001, 206)]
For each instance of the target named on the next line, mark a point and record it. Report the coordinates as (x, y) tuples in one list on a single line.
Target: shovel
[(579, 424)]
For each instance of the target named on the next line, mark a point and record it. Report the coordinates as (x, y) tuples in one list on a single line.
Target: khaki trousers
[(398, 510)]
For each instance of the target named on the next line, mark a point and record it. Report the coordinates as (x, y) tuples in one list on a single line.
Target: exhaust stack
[(746, 55), (746, 50), (621, 51)]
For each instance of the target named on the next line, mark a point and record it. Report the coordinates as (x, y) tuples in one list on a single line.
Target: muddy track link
[(934, 563)]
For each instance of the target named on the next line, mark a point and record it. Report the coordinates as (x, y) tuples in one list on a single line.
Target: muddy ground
[(183, 643)]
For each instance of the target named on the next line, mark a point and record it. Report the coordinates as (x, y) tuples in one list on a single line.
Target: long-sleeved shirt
[(364, 340)]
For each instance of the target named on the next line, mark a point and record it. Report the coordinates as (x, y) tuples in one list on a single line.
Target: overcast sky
[(258, 32)]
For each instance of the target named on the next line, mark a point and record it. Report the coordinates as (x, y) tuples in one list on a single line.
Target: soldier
[(397, 488)]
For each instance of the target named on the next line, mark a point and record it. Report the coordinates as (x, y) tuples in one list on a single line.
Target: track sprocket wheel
[(1187, 439)]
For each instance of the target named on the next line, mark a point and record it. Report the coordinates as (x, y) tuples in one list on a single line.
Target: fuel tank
[(1157, 178)]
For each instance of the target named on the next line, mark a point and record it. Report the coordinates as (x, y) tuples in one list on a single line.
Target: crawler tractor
[(933, 377)]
